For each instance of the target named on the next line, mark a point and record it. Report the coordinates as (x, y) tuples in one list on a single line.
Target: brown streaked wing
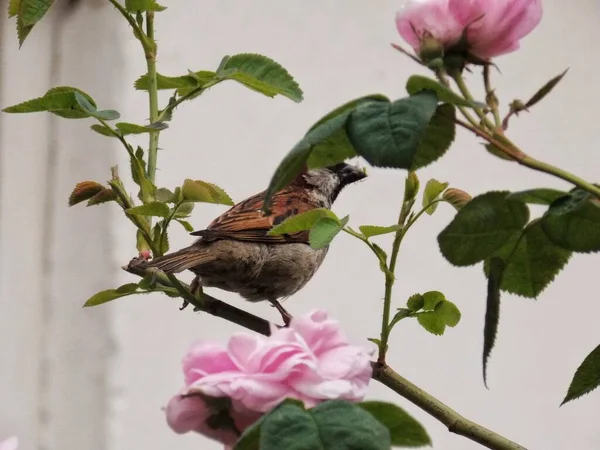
[(246, 221)]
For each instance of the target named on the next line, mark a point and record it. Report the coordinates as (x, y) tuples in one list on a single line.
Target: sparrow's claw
[(195, 284), (286, 316)]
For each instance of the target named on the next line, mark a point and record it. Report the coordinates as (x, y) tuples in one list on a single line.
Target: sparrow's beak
[(349, 174)]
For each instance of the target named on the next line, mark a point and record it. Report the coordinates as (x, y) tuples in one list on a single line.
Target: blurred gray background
[(73, 378)]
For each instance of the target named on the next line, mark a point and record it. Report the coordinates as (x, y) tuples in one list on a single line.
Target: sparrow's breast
[(287, 270), (260, 271)]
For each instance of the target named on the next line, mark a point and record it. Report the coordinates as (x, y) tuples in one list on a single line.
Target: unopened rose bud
[(456, 197), (431, 51), (411, 186)]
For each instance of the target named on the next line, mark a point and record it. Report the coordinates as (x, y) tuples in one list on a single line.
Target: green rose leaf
[(107, 114), (324, 230), (492, 311), (156, 209), (260, 74), (142, 246), (288, 426), (337, 147), (186, 225), (60, 100), (303, 221), (540, 196), (32, 11), (348, 107), (104, 131), (90, 108), (29, 13), (335, 425), (411, 186), (250, 438), (374, 230), (104, 196), (449, 313), (532, 261), (325, 143), (143, 6), (432, 322), (418, 83), (161, 241), (437, 138), (131, 128), (164, 195), (404, 430), (201, 191), (494, 150), (295, 161), (587, 377), (433, 189), (184, 210), (481, 227), (113, 294), (331, 150), (402, 313), (431, 299), (415, 302), (573, 222), (437, 311), (13, 7), (545, 90), (389, 134), (138, 173), (181, 83)]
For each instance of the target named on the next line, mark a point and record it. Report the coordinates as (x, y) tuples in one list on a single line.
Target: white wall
[(74, 378)]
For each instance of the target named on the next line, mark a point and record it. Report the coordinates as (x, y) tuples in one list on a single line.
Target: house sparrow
[(236, 254)]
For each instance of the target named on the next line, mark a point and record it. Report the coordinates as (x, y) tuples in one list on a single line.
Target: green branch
[(490, 96), (150, 49), (152, 95), (390, 277), (414, 218), (140, 222), (464, 89), (176, 102), (443, 78), (455, 422), (503, 144), (137, 31), (165, 226)]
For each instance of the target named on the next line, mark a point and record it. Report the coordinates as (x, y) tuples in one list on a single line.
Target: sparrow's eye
[(338, 168)]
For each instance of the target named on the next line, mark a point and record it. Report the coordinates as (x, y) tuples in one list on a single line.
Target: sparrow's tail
[(181, 260)]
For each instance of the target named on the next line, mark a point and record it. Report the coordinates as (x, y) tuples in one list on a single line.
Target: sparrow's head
[(330, 181)]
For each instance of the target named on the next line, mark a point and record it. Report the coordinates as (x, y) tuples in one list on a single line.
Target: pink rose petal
[(493, 27)]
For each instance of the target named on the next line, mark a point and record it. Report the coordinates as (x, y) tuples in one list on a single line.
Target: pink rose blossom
[(311, 361), (493, 27), (194, 413), (12, 443)]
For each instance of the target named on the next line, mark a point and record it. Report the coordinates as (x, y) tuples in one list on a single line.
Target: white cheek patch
[(323, 180)]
